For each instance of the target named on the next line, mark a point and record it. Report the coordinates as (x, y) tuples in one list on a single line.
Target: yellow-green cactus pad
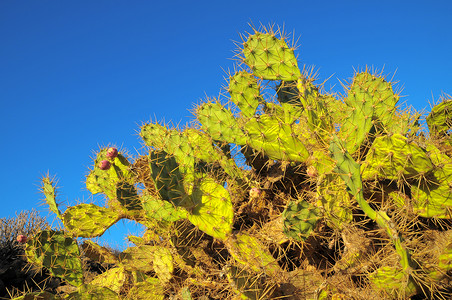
[(213, 212), (275, 138), (394, 157), (115, 279), (335, 200), (247, 285), (151, 288), (245, 92), (220, 123), (92, 292), (89, 220), (48, 189), (98, 253), (394, 282), (137, 258), (162, 210), (270, 58), (251, 254), (163, 264), (104, 181), (439, 120)]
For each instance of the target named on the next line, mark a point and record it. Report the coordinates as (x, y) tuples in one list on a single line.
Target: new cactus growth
[(330, 189)]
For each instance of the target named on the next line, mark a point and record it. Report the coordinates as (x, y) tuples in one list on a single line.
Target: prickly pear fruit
[(104, 165), (21, 239), (112, 152)]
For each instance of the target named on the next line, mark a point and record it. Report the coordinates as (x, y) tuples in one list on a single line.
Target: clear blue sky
[(78, 74)]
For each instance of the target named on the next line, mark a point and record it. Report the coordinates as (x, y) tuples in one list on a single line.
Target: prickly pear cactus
[(300, 195)]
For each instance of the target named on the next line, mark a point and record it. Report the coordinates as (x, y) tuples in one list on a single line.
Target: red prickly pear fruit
[(255, 193), (21, 238), (104, 165), (112, 152), (312, 171)]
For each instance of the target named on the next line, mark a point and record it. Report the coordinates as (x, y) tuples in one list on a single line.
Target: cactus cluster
[(300, 195)]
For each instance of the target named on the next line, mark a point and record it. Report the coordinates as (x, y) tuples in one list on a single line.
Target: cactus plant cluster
[(302, 195)]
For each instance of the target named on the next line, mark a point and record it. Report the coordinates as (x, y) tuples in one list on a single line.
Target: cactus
[(245, 92), (58, 253), (439, 120), (330, 188), (300, 219)]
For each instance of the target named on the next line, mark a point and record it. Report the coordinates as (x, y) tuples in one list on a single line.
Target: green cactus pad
[(315, 109), (270, 58), (245, 92), (127, 195), (48, 189), (154, 135), (89, 220), (346, 167), (43, 295), (276, 139), (284, 111), (58, 253), (98, 253), (300, 219), (213, 212), (370, 98), (439, 120), (162, 210), (434, 198), (394, 157), (394, 282), (289, 97), (167, 177), (335, 200), (220, 123), (104, 181), (251, 254), (114, 279)]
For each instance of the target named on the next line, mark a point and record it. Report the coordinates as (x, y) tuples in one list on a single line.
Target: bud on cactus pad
[(312, 171), (255, 193), (104, 165), (112, 152), (21, 238)]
